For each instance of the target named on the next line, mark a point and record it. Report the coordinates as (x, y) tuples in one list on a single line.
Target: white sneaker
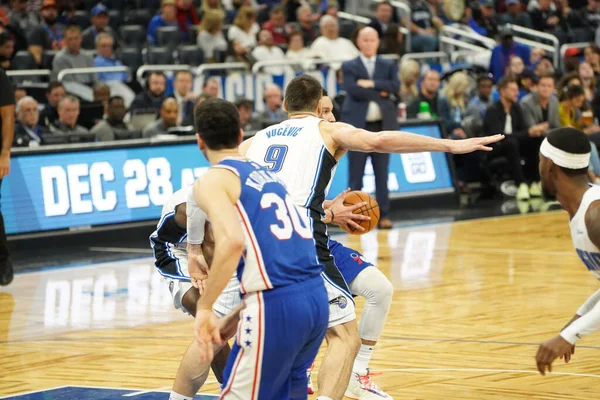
[(362, 388), (311, 388), (535, 190), (508, 188), (523, 192)]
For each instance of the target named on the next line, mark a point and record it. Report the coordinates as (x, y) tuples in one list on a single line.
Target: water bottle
[(402, 112), (424, 111)]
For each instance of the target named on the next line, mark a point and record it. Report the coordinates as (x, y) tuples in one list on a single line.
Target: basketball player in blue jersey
[(564, 161), (258, 230), (303, 151), (170, 242)]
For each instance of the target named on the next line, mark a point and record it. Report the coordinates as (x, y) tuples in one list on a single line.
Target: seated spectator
[(278, 25), (71, 56), (483, 19), (68, 113), (267, 51), (102, 95), (245, 109), (332, 9), (273, 102), (430, 85), (308, 27), (99, 19), (571, 79), (527, 81), (167, 17), (515, 15), (544, 66), (210, 35), (592, 57), (453, 104), (583, 22), (210, 5), (19, 94), (106, 58), (330, 45), (182, 91), (571, 60), (503, 52), (186, 16), (115, 113), (7, 49), (168, 119), (54, 94), (242, 34), (67, 11), (20, 17), (569, 107), (482, 100), (540, 108), (586, 74), (296, 50), (424, 33), (151, 99), (28, 131), (410, 70), (506, 117), (544, 18), (384, 12), (211, 87), (48, 35)]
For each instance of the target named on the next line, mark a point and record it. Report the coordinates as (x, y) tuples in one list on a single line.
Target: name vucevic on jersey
[(287, 131)]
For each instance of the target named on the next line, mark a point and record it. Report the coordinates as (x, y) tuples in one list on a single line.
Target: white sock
[(177, 396), (324, 398), (361, 362)]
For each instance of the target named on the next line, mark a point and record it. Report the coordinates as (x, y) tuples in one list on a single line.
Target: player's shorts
[(341, 303), (279, 334), (179, 285), (350, 262)]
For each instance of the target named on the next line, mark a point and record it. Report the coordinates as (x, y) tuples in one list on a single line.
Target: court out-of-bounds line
[(162, 389), (121, 250), (500, 371)]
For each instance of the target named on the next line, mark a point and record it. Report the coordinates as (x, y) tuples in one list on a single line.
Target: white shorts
[(341, 305), (227, 302)]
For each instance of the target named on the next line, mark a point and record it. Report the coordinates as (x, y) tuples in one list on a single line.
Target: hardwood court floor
[(472, 302)]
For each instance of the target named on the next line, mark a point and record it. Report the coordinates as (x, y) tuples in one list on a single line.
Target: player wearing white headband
[(564, 161)]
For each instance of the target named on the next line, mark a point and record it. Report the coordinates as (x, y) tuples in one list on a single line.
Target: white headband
[(564, 159)]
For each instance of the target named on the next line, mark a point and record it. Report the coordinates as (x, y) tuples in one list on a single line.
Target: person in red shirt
[(277, 25), (187, 15)]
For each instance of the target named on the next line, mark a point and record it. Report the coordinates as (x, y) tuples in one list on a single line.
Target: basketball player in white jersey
[(180, 226), (303, 151), (564, 161)]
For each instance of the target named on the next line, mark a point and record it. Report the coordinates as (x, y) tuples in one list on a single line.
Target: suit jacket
[(357, 100), (23, 137), (188, 113), (495, 119), (532, 111)]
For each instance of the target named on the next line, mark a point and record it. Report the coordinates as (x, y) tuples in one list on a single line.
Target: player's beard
[(49, 21)]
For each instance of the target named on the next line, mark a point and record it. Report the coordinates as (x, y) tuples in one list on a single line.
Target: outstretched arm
[(350, 138)]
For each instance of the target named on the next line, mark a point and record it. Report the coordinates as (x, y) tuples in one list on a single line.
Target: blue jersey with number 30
[(280, 250)]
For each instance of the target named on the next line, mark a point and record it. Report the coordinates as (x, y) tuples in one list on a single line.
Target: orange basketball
[(370, 210)]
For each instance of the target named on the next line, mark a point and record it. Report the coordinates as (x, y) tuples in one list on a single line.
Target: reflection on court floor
[(88, 393)]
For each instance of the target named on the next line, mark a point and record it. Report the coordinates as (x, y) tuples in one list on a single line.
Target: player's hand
[(4, 164), (344, 216), (206, 331), (474, 144), (550, 350)]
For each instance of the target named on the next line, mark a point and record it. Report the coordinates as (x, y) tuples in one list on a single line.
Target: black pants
[(380, 161), (4, 254), (509, 148), (514, 149)]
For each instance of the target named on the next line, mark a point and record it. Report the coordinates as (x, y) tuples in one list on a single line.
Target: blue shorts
[(350, 262), (279, 334)]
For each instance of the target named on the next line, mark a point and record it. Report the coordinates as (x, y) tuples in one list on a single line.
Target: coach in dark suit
[(371, 84)]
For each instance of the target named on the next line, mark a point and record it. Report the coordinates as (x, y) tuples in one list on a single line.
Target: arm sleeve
[(196, 219), (588, 323), (7, 96), (589, 304)]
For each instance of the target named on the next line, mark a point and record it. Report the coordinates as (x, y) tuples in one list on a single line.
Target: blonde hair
[(409, 69), (206, 7), (456, 88), (242, 20), (212, 21)]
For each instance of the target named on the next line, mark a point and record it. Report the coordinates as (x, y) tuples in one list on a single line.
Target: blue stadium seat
[(190, 55), (159, 55), (23, 60), (131, 57), (82, 19), (168, 36), (133, 35), (139, 16)]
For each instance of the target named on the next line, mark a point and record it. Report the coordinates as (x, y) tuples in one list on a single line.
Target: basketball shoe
[(361, 387), (311, 388)]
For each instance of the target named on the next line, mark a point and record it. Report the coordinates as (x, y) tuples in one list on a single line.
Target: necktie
[(370, 67)]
